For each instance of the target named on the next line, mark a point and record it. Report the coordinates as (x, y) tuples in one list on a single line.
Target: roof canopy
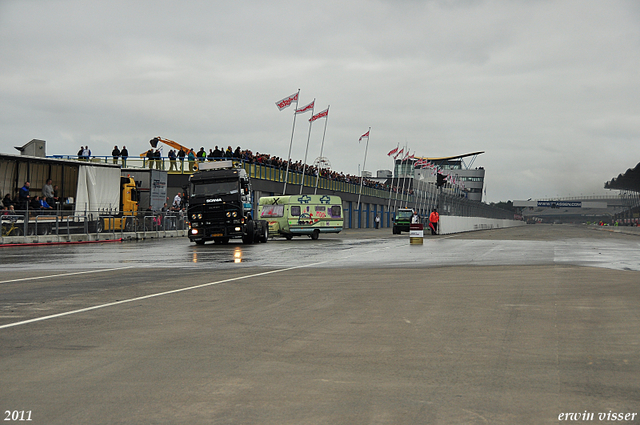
[(448, 158), (630, 180)]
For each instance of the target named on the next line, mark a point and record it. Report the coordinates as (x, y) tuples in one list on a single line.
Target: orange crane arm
[(175, 145)]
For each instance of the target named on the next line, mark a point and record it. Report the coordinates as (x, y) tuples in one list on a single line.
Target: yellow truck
[(297, 215)]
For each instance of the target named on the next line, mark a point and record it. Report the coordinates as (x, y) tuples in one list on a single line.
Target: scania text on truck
[(220, 205)]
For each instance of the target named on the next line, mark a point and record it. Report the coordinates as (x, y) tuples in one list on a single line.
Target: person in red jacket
[(434, 217)]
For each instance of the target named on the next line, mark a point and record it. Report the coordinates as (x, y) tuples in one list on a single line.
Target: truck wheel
[(265, 234), (289, 237), (315, 234), (247, 238), (395, 230), (128, 224), (96, 226)]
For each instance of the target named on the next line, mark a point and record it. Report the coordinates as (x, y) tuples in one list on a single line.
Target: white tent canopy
[(98, 189)]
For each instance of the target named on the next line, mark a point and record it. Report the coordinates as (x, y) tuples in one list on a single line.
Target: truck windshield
[(405, 214), (213, 188)]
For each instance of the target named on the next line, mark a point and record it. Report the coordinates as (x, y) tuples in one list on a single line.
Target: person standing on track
[(434, 217)]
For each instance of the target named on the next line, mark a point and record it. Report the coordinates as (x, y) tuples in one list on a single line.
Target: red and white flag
[(309, 107), (363, 136), (322, 114), (399, 153), (287, 101), (392, 152)]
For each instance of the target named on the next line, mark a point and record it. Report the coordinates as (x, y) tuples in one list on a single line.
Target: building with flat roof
[(468, 181)]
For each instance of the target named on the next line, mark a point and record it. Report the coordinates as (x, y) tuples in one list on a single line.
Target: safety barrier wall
[(453, 224)]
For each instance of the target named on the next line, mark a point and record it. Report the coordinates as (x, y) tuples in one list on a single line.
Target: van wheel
[(289, 237), (315, 234)]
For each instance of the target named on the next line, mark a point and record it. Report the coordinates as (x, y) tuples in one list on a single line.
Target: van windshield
[(272, 211)]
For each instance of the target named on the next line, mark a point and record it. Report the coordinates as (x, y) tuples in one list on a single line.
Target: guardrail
[(66, 226)]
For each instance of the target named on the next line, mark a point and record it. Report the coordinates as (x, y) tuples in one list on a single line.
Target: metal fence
[(20, 225)]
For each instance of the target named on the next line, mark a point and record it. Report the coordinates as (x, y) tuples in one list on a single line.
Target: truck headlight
[(235, 214), (194, 231), (228, 213), (200, 216)]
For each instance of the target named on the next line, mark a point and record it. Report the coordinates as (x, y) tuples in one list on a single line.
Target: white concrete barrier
[(452, 224)]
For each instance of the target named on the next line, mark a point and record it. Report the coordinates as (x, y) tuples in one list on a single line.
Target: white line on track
[(96, 307), (63, 274)]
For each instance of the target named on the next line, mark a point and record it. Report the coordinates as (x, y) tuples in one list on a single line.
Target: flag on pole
[(309, 107), (392, 152), (287, 101), (363, 136), (399, 153), (322, 114)]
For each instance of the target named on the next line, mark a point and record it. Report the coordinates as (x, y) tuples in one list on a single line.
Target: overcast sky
[(550, 90)]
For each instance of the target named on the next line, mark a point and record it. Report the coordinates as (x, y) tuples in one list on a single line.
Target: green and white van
[(296, 215)]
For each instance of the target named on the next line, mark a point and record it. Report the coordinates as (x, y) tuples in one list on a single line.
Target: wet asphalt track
[(504, 326), (353, 248)]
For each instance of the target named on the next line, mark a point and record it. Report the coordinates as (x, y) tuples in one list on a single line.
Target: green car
[(402, 220)]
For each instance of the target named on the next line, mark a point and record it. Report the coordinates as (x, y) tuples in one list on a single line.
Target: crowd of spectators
[(24, 200), (294, 166)]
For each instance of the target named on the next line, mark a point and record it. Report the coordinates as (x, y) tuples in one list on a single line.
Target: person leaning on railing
[(115, 153), (124, 154), (172, 160)]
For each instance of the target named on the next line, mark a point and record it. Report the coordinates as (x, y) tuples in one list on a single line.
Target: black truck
[(220, 205)]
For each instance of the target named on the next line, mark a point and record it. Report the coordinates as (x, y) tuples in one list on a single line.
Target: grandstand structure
[(621, 209), (629, 186), (469, 182)]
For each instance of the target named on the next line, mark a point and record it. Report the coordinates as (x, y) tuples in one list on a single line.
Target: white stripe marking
[(96, 307), (63, 274)]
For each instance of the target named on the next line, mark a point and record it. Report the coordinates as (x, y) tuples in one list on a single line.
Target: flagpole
[(286, 175), (315, 191), (364, 164), (395, 200), (391, 185), (304, 166), (403, 200)]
